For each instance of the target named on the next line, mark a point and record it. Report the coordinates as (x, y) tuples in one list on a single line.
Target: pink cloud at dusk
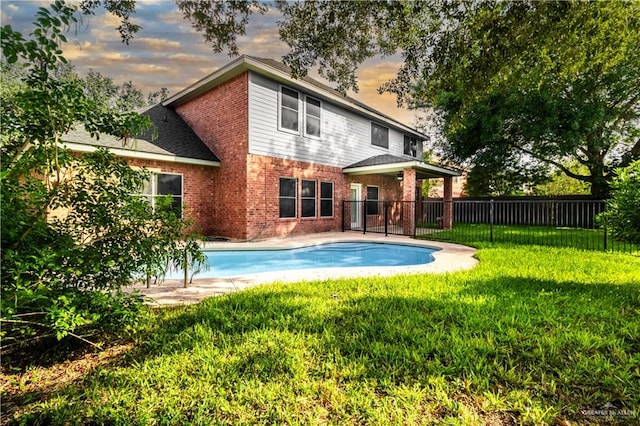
[(169, 53)]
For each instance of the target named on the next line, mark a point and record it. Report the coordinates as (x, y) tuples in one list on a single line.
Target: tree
[(492, 181), (623, 215), (538, 83), (543, 82), (558, 183), (157, 96), (74, 230)]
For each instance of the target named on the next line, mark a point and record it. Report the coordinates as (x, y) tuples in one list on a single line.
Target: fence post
[(604, 209), (491, 204), (385, 205), (364, 217), (344, 202), (415, 218)]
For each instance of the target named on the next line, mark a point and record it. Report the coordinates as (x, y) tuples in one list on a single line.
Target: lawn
[(532, 335), (474, 234)]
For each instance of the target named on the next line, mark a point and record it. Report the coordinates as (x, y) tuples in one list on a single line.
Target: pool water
[(225, 264)]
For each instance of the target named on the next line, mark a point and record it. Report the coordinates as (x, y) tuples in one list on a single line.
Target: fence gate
[(385, 217)]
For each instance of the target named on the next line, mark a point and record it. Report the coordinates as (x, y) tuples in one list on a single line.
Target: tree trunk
[(600, 188)]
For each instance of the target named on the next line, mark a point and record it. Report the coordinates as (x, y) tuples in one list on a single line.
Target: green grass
[(531, 335), (479, 234)]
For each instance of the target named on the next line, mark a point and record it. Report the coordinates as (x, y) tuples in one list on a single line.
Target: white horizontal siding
[(345, 136)]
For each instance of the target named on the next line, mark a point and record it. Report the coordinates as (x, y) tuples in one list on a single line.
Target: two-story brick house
[(251, 153)]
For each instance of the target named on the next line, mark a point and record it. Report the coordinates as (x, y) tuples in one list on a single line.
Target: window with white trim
[(410, 146), (289, 109), (312, 109), (372, 199), (288, 197), (308, 196), (379, 135), (326, 199), (162, 185)]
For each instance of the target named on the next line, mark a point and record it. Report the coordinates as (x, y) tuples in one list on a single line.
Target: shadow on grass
[(560, 347)]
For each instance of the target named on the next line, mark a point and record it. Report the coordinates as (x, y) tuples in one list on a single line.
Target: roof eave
[(78, 147), (397, 167)]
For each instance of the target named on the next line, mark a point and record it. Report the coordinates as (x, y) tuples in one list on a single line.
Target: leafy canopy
[(74, 230), (519, 83)]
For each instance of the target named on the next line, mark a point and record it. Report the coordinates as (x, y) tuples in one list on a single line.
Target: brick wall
[(263, 204), (220, 118), (197, 189)]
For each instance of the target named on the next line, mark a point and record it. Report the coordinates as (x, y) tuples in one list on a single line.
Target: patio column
[(447, 218), (408, 201)]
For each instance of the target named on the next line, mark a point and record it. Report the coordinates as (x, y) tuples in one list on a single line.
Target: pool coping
[(448, 258)]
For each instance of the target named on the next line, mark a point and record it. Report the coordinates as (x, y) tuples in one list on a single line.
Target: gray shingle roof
[(379, 160), (174, 137)]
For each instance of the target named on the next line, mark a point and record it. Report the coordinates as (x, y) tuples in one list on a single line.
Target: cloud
[(161, 44), (168, 52)]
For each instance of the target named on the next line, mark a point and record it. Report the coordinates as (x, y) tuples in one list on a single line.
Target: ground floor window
[(308, 196), (162, 185), (288, 197), (326, 199), (372, 199)]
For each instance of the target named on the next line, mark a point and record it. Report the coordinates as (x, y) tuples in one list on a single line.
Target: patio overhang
[(392, 165)]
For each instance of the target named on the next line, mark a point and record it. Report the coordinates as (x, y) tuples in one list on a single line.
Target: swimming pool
[(233, 263)]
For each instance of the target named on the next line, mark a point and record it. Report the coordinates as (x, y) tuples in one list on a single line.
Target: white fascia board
[(438, 169), (397, 167), (245, 63), (77, 147), (228, 71)]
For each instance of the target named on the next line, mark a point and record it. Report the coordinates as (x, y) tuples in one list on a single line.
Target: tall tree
[(522, 82), (532, 82)]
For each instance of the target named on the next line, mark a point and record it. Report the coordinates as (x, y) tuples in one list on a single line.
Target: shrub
[(623, 208), (74, 229)]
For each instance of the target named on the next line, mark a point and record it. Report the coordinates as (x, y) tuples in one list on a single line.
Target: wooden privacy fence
[(566, 222), (563, 222), (571, 213)]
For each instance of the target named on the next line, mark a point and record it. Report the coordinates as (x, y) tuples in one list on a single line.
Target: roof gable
[(280, 72)]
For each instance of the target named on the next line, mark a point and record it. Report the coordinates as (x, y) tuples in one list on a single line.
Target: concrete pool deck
[(449, 258)]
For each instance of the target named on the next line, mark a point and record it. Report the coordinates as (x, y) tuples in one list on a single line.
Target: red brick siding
[(263, 204), (197, 189), (220, 118)]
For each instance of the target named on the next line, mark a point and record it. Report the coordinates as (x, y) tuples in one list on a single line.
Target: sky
[(169, 53)]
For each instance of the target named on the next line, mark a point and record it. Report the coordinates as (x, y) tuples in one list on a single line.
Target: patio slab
[(449, 258)]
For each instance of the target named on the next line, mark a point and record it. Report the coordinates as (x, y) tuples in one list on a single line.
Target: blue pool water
[(225, 264)]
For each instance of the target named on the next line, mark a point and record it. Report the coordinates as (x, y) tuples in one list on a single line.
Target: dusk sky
[(167, 52)]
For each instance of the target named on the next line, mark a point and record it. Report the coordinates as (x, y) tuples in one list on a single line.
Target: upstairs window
[(312, 117), (289, 109), (326, 199), (379, 135), (308, 197), (410, 146), (288, 197), (165, 185)]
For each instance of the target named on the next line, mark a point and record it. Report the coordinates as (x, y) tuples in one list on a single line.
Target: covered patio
[(398, 209)]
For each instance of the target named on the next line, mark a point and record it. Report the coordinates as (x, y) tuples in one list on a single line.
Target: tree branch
[(51, 328), (559, 165)]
